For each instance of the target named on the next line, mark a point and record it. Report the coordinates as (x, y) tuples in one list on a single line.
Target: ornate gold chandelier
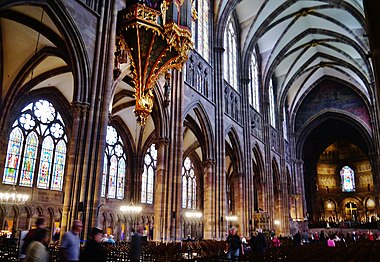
[(156, 37)]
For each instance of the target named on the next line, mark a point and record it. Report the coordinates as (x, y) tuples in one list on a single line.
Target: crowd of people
[(35, 244), (259, 242)]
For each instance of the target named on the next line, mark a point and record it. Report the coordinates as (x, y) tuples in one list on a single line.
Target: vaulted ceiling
[(300, 42)]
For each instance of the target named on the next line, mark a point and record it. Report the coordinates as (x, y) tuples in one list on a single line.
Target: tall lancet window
[(200, 28), (285, 124), (347, 177), (148, 176), (254, 84), (113, 180), (189, 185), (37, 148), (230, 54), (272, 104)]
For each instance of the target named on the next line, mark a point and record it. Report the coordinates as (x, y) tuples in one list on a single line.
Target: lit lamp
[(155, 37), (276, 222), (231, 218), (12, 197), (131, 210), (193, 215)]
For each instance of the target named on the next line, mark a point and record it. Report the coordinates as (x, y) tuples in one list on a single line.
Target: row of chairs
[(362, 250)]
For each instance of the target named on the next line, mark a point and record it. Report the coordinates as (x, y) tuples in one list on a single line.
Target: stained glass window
[(147, 182), (112, 178), (254, 84), (104, 178), (45, 163), (230, 55), (14, 151), (27, 157), (114, 166), (272, 104), (120, 179), (189, 185), (347, 176), (200, 28), (59, 166)]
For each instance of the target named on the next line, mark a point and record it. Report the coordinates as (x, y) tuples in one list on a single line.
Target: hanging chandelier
[(155, 36), (12, 197), (131, 209)]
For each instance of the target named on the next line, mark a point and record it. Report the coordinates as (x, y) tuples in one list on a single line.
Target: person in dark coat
[(40, 224), (260, 243), (93, 250), (136, 245), (234, 245), (297, 239)]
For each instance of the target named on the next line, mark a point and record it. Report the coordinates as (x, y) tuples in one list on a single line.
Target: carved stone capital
[(80, 106), (208, 163), (163, 141), (245, 81), (219, 49)]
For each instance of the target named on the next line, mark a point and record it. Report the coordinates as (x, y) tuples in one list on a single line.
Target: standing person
[(94, 251), (276, 242), (40, 224), (56, 236), (330, 241), (234, 244), (260, 243), (297, 238), (136, 245), (70, 245), (322, 237), (37, 249)]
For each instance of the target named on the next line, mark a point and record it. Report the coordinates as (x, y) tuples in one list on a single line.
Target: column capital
[(208, 163), (240, 174), (219, 49), (80, 106), (245, 80), (163, 141)]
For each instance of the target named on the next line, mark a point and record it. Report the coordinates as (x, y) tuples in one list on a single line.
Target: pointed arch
[(237, 153), (73, 43), (206, 128)]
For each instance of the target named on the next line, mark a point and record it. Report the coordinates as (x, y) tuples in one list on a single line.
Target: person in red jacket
[(276, 242)]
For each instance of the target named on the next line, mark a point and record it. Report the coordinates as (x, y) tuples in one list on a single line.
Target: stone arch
[(258, 179), (236, 147), (205, 128), (324, 116), (277, 192), (40, 211), (73, 44)]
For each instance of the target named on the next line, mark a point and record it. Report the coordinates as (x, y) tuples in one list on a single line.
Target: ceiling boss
[(156, 37)]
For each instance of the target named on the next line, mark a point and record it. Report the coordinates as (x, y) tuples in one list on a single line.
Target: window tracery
[(147, 180), (189, 185), (114, 166), (37, 147)]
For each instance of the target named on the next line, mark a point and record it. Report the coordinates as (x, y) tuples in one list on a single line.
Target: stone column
[(220, 169), (160, 192), (209, 219), (240, 203), (4, 145), (74, 156)]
